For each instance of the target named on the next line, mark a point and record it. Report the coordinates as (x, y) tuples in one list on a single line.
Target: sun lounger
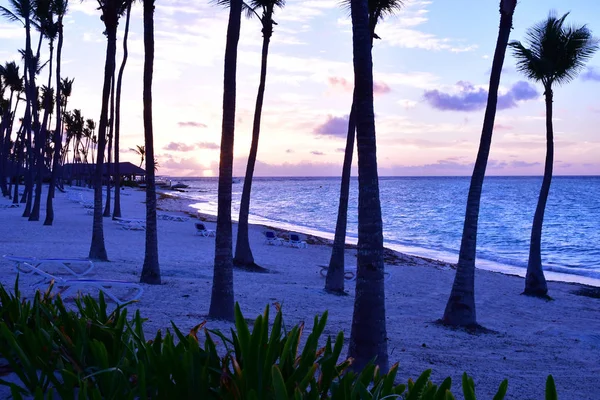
[(74, 283), (271, 238), (294, 240), (202, 231), (13, 205), (130, 224), (350, 273), (176, 218)]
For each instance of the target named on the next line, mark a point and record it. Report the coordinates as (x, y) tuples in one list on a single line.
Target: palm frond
[(9, 15), (554, 53)]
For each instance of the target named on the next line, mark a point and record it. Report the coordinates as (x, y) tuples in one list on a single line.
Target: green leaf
[(551, 389), (468, 387), (502, 390), (278, 384)]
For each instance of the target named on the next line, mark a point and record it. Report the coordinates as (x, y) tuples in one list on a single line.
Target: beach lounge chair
[(350, 273), (131, 224), (75, 282), (12, 205), (202, 231), (176, 218), (294, 240), (271, 238)]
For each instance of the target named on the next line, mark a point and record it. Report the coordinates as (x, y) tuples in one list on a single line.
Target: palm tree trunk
[(110, 143), (57, 138), (535, 282), (19, 149), (117, 208), (221, 301), (368, 337), (460, 309), (41, 147), (334, 282), (97, 247), (243, 253), (151, 269)]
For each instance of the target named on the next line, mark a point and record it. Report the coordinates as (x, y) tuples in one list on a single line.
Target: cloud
[(501, 127), (346, 85), (334, 126), (173, 146), (289, 151), (317, 153), (191, 124), (184, 147), (470, 98), (591, 74)]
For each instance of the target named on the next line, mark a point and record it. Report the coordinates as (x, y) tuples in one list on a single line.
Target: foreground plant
[(90, 352)]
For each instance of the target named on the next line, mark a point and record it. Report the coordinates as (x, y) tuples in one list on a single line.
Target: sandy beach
[(532, 338)]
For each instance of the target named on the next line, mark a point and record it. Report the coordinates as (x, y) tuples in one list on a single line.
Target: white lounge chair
[(176, 218), (271, 238), (131, 224), (350, 273), (294, 240), (71, 286), (202, 231)]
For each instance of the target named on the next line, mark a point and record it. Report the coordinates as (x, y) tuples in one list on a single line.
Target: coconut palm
[(44, 18), (555, 54), (117, 207), (368, 337), (334, 282), (111, 127), (141, 151), (14, 83), (151, 270), (460, 309), (60, 9), (221, 301), (22, 11), (111, 12), (243, 253)]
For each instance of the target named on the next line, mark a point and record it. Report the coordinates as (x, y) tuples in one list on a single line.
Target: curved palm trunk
[(243, 253), (41, 148), (110, 143), (368, 337), (334, 282), (221, 301), (151, 269), (97, 247), (117, 208), (460, 309), (535, 282), (19, 158), (57, 137)]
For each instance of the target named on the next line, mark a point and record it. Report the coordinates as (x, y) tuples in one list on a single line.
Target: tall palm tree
[(460, 309), (60, 9), (22, 11), (14, 82), (334, 282), (221, 301), (140, 151), (117, 207), (243, 253), (556, 53), (368, 337), (111, 11), (44, 17), (111, 127), (151, 268)]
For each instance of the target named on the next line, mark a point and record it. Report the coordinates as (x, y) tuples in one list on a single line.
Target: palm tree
[(44, 16), (460, 309), (117, 208), (22, 11), (243, 253), (141, 151), (555, 55), (334, 282), (111, 127), (14, 82), (221, 301), (151, 268), (368, 337), (111, 11)]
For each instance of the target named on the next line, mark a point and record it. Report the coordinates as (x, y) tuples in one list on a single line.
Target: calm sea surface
[(424, 216)]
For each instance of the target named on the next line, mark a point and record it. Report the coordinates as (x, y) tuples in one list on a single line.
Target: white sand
[(534, 338)]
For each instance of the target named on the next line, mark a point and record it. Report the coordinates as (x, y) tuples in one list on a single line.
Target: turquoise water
[(424, 216)]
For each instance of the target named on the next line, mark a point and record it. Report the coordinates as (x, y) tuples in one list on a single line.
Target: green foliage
[(91, 353)]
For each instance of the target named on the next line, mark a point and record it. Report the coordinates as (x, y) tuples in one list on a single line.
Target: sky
[(431, 73)]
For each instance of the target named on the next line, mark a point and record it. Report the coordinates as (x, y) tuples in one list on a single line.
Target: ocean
[(424, 216)]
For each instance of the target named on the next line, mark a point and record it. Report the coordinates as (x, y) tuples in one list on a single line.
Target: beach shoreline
[(530, 338)]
